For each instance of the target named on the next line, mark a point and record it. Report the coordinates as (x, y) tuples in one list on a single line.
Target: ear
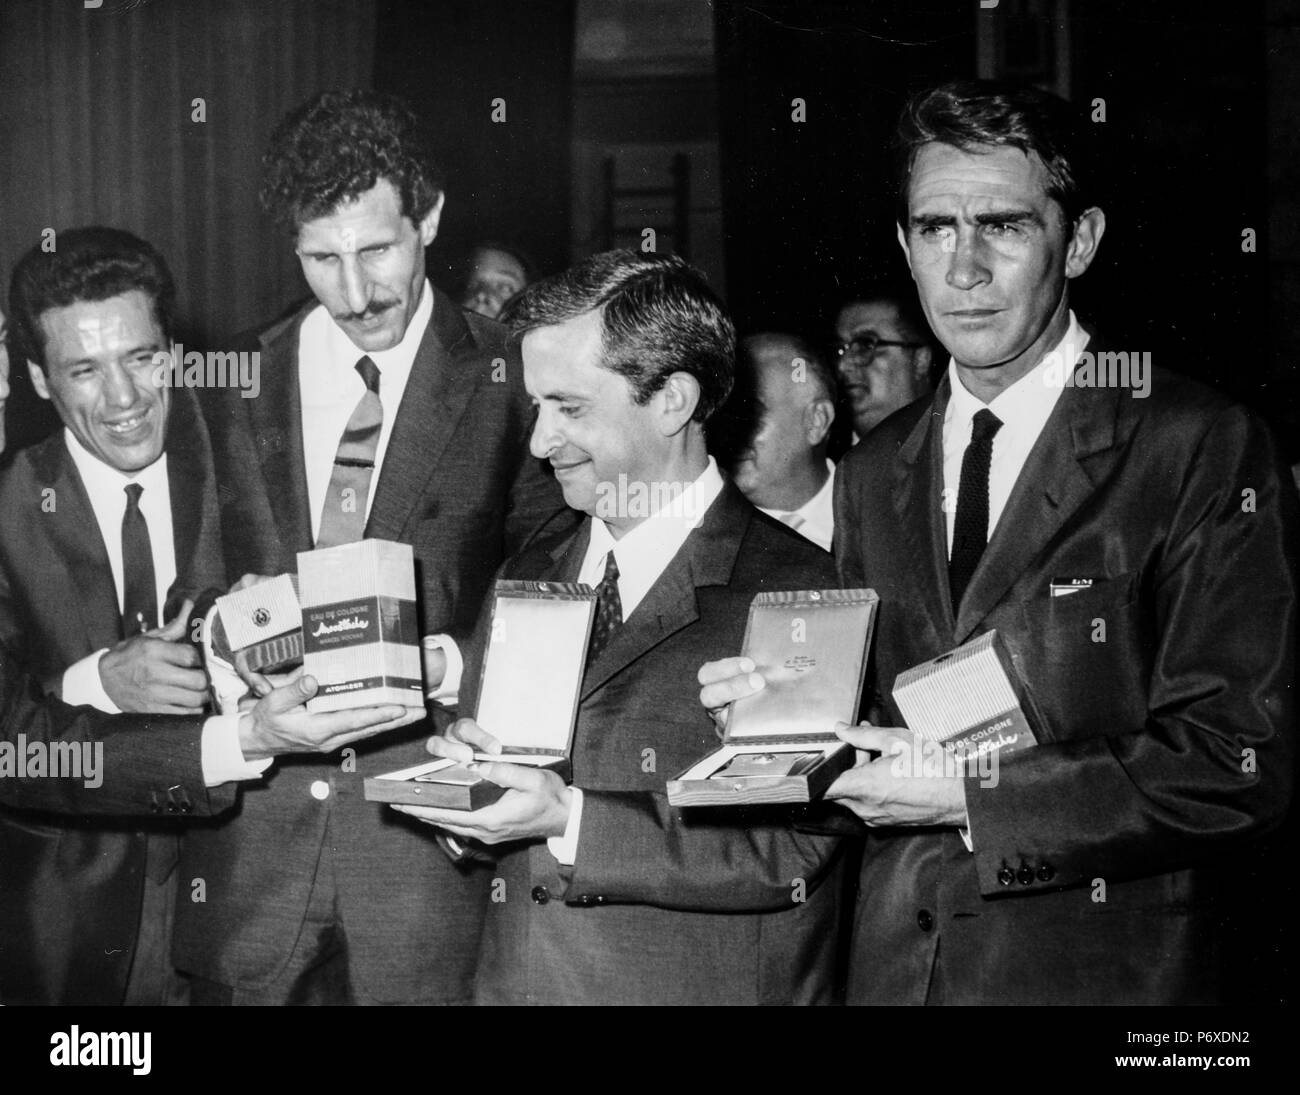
[(902, 243), (817, 418), (428, 228), (1084, 241), (39, 381), (922, 359), (677, 400)]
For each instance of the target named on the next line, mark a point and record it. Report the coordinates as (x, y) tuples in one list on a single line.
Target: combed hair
[(88, 264), (799, 346), (658, 317), (337, 146), (970, 114)]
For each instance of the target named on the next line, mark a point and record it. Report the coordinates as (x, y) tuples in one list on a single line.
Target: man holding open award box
[(1134, 549), (608, 894)]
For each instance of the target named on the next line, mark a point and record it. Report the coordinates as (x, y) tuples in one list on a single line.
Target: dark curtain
[(97, 126), (506, 180)]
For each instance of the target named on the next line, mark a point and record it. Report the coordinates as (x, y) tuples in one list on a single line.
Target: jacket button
[(1006, 876), (172, 808), (1046, 873), (320, 790), (155, 807), (541, 895), (187, 807), (925, 920), (1025, 874)]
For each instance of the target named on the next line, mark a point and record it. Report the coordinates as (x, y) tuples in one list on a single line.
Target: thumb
[(174, 630), (291, 695)]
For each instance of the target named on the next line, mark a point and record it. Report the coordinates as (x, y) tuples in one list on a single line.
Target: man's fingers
[(458, 751), (519, 777), (175, 653), (723, 669), (471, 733), (720, 693), (171, 701), (280, 700), (249, 580), (366, 720), (876, 739), (175, 630)]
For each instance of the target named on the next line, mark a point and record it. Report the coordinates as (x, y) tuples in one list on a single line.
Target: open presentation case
[(527, 700), (780, 746)]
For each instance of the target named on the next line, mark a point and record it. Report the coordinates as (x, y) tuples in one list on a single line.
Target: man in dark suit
[(110, 527), (384, 411), (611, 896), (1131, 538)]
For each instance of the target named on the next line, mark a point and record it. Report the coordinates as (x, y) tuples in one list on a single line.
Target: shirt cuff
[(447, 694), (83, 687), (223, 759), (565, 848)]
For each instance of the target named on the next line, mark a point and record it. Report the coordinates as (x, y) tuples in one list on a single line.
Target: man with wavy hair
[(387, 412)]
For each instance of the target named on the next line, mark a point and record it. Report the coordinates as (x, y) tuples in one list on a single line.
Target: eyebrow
[(996, 216)]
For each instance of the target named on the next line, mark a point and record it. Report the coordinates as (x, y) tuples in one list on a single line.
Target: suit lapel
[(917, 495), (195, 522), (276, 417), (437, 393), (76, 542), (705, 559), (1075, 452)]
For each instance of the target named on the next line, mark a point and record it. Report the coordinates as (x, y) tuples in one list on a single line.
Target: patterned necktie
[(609, 610), (971, 528), (140, 595), (343, 520)]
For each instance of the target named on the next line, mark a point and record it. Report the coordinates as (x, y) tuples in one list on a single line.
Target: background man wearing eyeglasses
[(883, 356)]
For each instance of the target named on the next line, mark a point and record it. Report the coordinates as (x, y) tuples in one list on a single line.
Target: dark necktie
[(609, 610), (971, 528), (140, 595), (343, 520)]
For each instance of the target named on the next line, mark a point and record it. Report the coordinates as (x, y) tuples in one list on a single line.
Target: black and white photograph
[(327, 324)]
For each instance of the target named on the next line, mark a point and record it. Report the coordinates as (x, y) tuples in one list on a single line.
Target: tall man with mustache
[(387, 412)]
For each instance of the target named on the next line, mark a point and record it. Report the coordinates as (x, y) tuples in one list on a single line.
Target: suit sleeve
[(1213, 762), (634, 848), (140, 765)]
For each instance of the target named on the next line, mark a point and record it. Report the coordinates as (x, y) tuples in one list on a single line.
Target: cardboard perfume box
[(262, 622), (779, 745), (972, 699), (359, 628), (528, 695)]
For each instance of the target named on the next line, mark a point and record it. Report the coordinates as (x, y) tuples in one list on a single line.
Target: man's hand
[(535, 807), (156, 672), (727, 680), (895, 779), (280, 723), (257, 682), (434, 660)]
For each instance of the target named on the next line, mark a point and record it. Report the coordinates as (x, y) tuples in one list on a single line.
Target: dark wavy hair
[(658, 317), (87, 264), (337, 146), (968, 114)]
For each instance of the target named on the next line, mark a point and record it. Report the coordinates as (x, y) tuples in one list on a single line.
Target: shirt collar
[(1030, 399), (103, 480)]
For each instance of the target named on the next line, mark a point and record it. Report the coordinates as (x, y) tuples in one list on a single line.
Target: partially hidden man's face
[(4, 377), (588, 424), (990, 252), (494, 277), (365, 263), (781, 445), (890, 377), (100, 375)]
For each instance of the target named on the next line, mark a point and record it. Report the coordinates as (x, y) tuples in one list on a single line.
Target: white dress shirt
[(330, 388), (815, 519), (642, 555), (221, 757), (1023, 409)]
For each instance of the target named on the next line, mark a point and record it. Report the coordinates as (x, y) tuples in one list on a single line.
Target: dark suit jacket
[(458, 484), (70, 889), (665, 906), (1166, 739)]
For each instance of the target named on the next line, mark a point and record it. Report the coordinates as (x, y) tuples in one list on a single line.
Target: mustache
[(374, 308)]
